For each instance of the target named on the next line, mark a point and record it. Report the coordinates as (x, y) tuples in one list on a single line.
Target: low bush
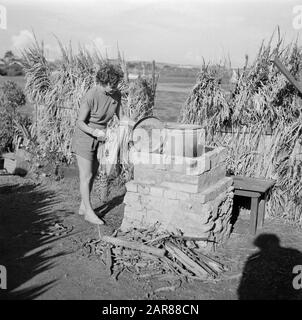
[(12, 98)]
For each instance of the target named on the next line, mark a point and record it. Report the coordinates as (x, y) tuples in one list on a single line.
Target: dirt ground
[(43, 265)]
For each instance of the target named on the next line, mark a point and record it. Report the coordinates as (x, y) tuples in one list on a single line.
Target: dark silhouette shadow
[(268, 273), (107, 207), (24, 243)]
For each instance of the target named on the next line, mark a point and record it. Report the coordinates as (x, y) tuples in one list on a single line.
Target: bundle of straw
[(262, 101), (115, 150), (57, 95)]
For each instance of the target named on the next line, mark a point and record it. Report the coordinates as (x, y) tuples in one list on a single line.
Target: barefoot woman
[(98, 107)]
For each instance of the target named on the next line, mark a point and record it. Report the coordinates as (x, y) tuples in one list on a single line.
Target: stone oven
[(191, 194)]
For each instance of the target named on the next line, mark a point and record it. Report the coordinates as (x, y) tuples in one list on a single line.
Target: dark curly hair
[(109, 74)]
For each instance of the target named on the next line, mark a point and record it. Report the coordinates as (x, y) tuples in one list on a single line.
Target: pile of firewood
[(149, 253)]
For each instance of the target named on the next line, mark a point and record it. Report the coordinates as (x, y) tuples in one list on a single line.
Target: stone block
[(156, 177), (197, 166), (217, 156), (10, 165), (132, 199), (186, 165), (202, 211), (141, 173), (145, 181), (131, 186), (156, 191), (170, 194), (211, 177), (192, 227), (160, 204), (190, 194), (161, 167), (178, 168), (183, 187), (213, 191), (182, 195), (143, 189), (172, 214), (18, 163)]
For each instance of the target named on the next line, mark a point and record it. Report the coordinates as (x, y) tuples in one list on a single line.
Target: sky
[(171, 31)]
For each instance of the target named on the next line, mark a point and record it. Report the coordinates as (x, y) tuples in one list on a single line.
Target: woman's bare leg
[(87, 171), (95, 167)]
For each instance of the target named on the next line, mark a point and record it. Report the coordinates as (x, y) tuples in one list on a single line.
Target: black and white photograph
[(150, 153)]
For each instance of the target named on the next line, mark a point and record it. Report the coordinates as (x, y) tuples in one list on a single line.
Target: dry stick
[(176, 268), (149, 275), (211, 260), (204, 261), (99, 231), (134, 245), (287, 74), (186, 261), (186, 238), (109, 260), (203, 264), (148, 256), (166, 277), (162, 237), (171, 288), (213, 265)]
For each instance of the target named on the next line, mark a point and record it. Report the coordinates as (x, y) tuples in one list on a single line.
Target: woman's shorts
[(84, 145)]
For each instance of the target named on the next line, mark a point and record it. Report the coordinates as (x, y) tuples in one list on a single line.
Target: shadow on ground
[(24, 242), (268, 273), (107, 207)]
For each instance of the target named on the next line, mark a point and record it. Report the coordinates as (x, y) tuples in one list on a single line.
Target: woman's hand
[(99, 134)]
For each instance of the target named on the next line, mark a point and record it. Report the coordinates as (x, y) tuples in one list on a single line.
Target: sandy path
[(44, 266)]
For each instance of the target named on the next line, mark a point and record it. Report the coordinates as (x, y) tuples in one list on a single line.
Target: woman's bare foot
[(91, 217)]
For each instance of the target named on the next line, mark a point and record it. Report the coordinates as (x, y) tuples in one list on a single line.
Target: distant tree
[(15, 70), (9, 57), (11, 95), (131, 65), (11, 65), (3, 71)]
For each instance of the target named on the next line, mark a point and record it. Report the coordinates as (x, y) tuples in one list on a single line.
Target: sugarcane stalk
[(186, 261), (134, 245)]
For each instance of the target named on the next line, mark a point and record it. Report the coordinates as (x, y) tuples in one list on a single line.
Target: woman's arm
[(82, 118), (82, 121)]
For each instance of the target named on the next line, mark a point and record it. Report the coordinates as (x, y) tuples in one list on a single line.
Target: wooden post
[(254, 214), (261, 215), (153, 77), (154, 83), (287, 74)]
